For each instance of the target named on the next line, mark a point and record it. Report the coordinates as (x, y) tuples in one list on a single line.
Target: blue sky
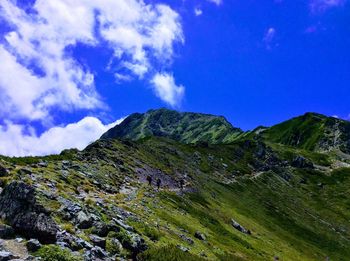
[(71, 69)]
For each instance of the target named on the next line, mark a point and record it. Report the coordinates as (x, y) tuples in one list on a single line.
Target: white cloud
[(269, 37), (317, 6), (217, 2), (20, 140), (165, 88), (39, 73), (198, 12), (40, 77)]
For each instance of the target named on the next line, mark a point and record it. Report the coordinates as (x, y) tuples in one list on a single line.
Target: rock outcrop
[(19, 208), (239, 227)]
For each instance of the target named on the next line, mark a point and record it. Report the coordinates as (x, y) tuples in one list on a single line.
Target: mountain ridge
[(167, 197), (185, 127), (311, 131)]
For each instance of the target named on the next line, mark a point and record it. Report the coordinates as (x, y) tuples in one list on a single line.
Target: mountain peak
[(186, 127), (312, 131)]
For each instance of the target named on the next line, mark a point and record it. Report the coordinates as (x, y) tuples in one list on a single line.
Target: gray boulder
[(301, 162), (182, 248), (187, 239), (240, 228), (84, 221), (200, 236), (6, 232), (33, 245), (3, 171), (5, 256), (96, 254), (115, 247), (19, 208), (98, 241)]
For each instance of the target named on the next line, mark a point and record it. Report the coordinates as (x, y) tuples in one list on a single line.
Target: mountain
[(183, 127), (312, 131), (257, 195)]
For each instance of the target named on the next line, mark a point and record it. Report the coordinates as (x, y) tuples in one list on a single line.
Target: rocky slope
[(252, 196)]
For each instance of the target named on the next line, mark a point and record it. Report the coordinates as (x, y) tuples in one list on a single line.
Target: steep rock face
[(19, 208), (184, 127)]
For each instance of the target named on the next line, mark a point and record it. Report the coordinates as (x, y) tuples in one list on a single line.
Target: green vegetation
[(55, 253), (183, 127), (167, 253), (311, 131)]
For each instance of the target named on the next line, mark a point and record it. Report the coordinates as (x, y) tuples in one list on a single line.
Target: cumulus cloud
[(41, 75), (20, 140), (165, 88), (217, 2), (318, 6)]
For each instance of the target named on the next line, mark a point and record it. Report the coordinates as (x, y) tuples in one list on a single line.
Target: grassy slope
[(293, 220), (302, 132), (314, 132), (184, 127)]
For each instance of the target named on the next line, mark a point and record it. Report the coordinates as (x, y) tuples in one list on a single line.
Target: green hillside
[(260, 196), (312, 131), (184, 127)]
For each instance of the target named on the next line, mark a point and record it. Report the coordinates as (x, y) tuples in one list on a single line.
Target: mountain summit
[(312, 131), (278, 193), (185, 127)]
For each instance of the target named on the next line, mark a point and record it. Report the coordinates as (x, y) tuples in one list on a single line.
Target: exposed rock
[(69, 209), (114, 246), (187, 239), (6, 232), (83, 220), (75, 243), (43, 164), (134, 242), (19, 208), (240, 228), (33, 245), (199, 236), (102, 229), (98, 241), (182, 248), (25, 171), (120, 223), (4, 171), (5, 256), (95, 254), (301, 162)]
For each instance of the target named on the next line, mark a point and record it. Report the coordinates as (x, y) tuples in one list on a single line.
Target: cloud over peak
[(166, 88), (21, 140), (39, 74)]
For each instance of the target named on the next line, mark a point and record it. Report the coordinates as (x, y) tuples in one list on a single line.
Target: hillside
[(183, 127), (223, 196), (312, 131)]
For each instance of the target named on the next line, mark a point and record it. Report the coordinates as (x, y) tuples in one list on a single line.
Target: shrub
[(113, 246), (152, 233), (55, 253), (69, 228)]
